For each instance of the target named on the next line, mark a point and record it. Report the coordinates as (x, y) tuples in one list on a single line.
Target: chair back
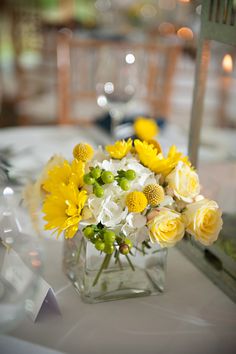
[(80, 62)]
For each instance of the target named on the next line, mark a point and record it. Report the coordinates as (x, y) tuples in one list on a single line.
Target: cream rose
[(184, 182), (203, 221), (166, 227)]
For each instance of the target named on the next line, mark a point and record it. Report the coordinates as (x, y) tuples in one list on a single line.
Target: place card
[(44, 300), (18, 277)]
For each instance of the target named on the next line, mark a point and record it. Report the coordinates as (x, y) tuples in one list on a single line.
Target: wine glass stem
[(116, 118)]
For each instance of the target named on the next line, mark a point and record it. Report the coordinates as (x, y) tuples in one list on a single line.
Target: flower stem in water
[(130, 263), (104, 265)]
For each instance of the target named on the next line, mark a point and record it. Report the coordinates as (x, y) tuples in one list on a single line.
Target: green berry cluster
[(98, 177), (106, 240), (124, 177)]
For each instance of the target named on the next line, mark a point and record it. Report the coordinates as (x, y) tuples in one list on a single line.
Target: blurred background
[(29, 54), (85, 61), (160, 34)]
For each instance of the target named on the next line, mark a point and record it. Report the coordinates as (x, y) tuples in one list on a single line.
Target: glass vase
[(101, 277)]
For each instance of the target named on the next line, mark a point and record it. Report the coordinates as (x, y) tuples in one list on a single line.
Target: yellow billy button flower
[(145, 128), (64, 173), (120, 149), (154, 193), (63, 209), (83, 152), (136, 202), (166, 227)]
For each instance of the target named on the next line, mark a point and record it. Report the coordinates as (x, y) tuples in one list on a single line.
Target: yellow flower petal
[(147, 153), (145, 128), (165, 165), (65, 173), (63, 209), (120, 149)]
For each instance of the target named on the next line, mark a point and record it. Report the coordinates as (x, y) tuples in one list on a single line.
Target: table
[(192, 316)]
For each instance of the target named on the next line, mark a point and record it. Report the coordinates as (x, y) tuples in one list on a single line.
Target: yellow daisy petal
[(63, 209), (65, 173), (120, 149), (147, 153)]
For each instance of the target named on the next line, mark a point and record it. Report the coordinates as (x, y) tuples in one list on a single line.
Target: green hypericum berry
[(124, 184), (109, 236), (94, 238), (88, 232), (98, 191), (109, 248), (96, 172), (88, 179), (107, 177), (99, 245), (124, 249), (130, 175), (128, 242)]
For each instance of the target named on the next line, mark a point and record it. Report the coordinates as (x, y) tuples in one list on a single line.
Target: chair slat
[(229, 12)]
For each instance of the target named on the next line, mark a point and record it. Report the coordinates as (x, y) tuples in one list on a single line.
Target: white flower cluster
[(111, 210)]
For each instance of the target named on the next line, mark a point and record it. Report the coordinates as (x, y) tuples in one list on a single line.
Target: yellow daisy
[(147, 153), (155, 144), (145, 128), (33, 193), (120, 149), (63, 209), (64, 174), (165, 165)]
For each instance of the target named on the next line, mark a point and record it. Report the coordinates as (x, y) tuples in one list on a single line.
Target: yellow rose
[(203, 221), (184, 182), (166, 227)]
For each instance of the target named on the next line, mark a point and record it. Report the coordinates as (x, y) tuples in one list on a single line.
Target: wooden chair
[(35, 97), (218, 23), (77, 61)]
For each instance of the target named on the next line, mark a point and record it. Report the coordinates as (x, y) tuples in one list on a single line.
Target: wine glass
[(20, 265), (116, 82)]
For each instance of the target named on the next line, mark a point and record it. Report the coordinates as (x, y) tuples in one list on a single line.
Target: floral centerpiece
[(119, 209)]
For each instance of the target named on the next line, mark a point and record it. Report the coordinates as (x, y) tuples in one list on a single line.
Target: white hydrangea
[(143, 175), (134, 227), (111, 210)]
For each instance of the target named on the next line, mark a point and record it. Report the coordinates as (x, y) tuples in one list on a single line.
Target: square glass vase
[(100, 277)]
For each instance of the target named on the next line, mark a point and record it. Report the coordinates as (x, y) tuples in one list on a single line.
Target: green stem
[(140, 250), (130, 263), (146, 244), (156, 251), (117, 257), (107, 261), (104, 265)]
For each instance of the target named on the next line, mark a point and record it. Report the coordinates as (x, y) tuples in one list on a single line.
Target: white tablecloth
[(192, 316)]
